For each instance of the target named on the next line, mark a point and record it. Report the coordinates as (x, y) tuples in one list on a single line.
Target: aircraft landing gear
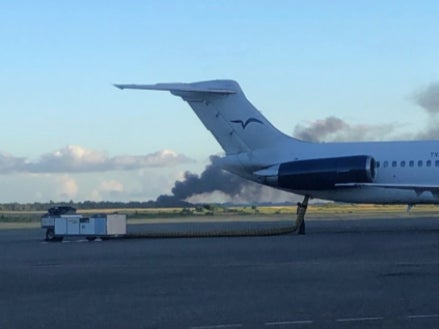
[(300, 219)]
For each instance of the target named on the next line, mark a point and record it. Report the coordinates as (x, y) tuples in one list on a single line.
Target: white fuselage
[(403, 172), (405, 162)]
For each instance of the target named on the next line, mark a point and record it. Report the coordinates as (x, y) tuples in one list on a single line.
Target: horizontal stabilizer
[(178, 87)]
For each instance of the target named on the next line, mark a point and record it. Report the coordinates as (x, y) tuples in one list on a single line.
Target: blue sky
[(297, 61)]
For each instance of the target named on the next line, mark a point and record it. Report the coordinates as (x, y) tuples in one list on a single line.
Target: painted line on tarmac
[(219, 326), (423, 316), (287, 323), (366, 318), (299, 322)]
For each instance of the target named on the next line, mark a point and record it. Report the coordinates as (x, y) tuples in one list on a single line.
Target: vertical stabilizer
[(223, 108)]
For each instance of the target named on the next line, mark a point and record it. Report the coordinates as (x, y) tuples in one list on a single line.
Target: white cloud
[(10, 163), (77, 173), (111, 185), (66, 186), (107, 186), (77, 159), (24, 187), (109, 190)]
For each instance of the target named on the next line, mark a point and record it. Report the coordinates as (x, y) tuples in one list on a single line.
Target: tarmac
[(362, 273)]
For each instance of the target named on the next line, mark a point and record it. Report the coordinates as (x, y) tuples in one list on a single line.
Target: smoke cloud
[(334, 129), (320, 129), (213, 178), (428, 98), (215, 185)]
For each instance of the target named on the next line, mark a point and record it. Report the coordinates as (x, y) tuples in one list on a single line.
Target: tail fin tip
[(224, 87)]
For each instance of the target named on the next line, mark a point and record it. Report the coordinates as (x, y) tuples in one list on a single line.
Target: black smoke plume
[(213, 178), (428, 99), (230, 188), (320, 129), (333, 129)]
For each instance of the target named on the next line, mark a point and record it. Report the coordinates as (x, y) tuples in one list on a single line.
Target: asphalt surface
[(380, 273)]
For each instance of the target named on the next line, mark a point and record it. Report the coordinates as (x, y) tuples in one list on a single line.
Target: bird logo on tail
[(247, 122)]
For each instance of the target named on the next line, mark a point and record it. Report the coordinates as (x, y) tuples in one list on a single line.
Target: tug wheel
[(50, 234)]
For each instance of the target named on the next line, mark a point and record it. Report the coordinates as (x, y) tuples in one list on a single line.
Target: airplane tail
[(223, 108)]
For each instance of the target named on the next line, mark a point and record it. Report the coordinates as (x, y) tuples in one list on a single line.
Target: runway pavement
[(370, 273)]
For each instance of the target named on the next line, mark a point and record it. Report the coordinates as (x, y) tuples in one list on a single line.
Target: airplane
[(394, 172)]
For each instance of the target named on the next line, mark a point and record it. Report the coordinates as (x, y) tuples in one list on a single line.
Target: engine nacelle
[(319, 174)]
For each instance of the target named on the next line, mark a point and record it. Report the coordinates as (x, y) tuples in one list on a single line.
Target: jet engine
[(321, 174)]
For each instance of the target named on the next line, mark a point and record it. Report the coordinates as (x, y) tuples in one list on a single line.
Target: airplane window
[(436, 163), (378, 163), (428, 163), (420, 163), (386, 164), (394, 163), (402, 163), (411, 163)]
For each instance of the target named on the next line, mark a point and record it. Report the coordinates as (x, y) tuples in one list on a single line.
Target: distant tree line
[(164, 201), (43, 206)]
